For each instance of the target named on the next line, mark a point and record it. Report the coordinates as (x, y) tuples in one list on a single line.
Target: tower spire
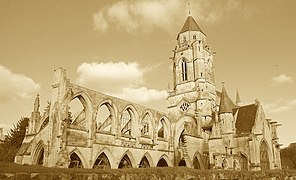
[(37, 103), (226, 104)]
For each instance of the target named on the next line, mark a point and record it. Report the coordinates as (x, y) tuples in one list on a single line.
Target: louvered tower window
[(184, 70)]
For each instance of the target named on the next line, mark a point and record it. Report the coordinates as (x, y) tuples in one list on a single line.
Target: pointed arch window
[(102, 162), (184, 39), (184, 70), (264, 159), (40, 157), (162, 130), (104, 118), (144, 163), (125, 162), (162, 163), (145, 125), (126, 122), (75, 161)]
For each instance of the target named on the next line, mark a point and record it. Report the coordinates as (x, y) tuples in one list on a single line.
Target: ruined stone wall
[(65, 133)]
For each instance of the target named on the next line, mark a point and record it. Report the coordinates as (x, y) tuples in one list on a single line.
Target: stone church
[(203, 128)]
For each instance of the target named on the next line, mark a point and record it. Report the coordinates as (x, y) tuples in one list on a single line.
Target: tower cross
[(189, 6)]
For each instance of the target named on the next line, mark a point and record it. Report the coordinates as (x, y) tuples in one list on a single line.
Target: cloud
[(131, 15), (283, 78), (16, 86), (141, 15), (141, 94), (123, 80), (292, 102), (100, 22), (280, 106)]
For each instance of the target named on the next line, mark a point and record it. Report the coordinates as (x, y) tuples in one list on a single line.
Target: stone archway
[(264, 158), (144, 163), (182, 162), (125, 163), (102, 162), (75, 161), (243, 161), (40, 157), (162, 163), (39, 154), (196, 164)]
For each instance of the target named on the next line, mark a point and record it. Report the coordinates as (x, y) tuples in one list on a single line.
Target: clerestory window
[(126, 122), (145, 125)]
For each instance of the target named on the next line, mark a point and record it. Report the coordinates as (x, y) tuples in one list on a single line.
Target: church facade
[(203, 129)]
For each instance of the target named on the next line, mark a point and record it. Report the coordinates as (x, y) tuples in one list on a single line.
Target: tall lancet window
[(184, 70)]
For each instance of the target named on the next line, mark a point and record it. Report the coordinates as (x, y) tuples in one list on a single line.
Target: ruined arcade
[(203, 129)]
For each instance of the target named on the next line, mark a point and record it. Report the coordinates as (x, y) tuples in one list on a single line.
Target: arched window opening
[(76, 112), (224, 164), (196, 164), (182, 163), (126, 122), (125, 162), (145, 125), (144, 163), (234, 165), (182, 139), (264, 159), (243, 163), (102, 162), (75, 161), (104, 118), (161, 133), (184, 39), (40, 157), (162, 163), (184, 70)]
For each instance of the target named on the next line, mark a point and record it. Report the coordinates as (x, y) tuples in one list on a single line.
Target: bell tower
[(193, 74)]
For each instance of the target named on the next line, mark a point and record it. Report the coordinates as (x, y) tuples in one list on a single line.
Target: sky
[(123, 47)]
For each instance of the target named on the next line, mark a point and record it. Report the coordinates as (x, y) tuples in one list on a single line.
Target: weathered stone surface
[(203, 128)]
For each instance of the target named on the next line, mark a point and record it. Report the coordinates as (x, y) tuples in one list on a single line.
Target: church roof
[(190, 25), (226, 104), (245, 118)]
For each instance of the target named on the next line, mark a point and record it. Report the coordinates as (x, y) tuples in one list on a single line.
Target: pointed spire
[(226, 104), (37, 103), (238, 100), (190, 25)]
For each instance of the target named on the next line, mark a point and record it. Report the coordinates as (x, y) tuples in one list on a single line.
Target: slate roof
[(226, 104), (190, 25), (245, 118)]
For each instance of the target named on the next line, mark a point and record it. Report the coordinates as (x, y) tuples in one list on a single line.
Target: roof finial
[(189, 5), (37, 103)]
